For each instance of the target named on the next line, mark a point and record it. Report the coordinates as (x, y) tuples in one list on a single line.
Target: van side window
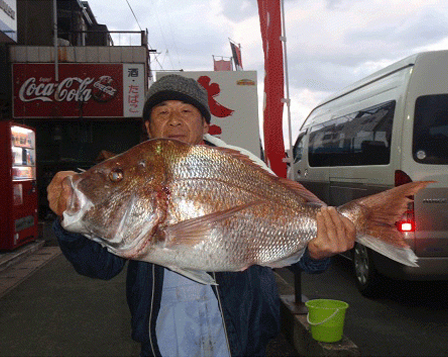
[(430, 142), (298, 148), (357, 139)]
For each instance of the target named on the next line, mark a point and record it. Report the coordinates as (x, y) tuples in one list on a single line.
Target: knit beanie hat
[(176, 87)]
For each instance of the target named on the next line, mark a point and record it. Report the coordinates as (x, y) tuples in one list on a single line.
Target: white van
[(385, 130)]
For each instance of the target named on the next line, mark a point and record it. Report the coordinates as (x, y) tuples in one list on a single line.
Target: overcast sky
[(330, 43)]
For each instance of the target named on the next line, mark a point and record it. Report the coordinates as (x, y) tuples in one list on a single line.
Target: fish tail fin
[(375, 216)]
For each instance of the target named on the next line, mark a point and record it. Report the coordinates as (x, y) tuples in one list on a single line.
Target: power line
[(135, 17), (168, 14), (156, 12), (136, 20)]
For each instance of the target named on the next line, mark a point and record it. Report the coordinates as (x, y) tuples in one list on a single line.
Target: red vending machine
[(18, 192)]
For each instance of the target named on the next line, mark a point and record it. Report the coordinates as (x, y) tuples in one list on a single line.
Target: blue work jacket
[(250, 300)]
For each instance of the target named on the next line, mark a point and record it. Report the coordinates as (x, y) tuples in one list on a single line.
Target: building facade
[(75, 82)]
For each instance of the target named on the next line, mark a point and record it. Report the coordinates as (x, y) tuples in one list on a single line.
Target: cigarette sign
[(82, 91)]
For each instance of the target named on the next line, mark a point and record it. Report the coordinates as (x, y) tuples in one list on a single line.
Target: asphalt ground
[(47, 309)]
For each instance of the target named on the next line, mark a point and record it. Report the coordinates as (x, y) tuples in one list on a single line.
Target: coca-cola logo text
[(103, 89), (69, 89)]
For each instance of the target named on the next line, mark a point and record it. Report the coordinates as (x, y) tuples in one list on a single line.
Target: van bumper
[(428, 269)]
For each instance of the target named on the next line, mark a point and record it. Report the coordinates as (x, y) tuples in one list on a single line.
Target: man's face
[(175, 119)]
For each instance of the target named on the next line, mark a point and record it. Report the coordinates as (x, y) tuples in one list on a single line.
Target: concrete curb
[(10, 258), (296, 329)]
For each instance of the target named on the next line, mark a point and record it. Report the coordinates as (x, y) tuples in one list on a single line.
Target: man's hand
[(335, 234), (59, 192)]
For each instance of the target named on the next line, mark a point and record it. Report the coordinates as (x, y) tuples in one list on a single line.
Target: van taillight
[(407, 222), (405, 226)]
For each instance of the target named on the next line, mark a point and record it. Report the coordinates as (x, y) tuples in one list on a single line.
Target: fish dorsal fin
[(235, 153), (195, 230), (296, 187)]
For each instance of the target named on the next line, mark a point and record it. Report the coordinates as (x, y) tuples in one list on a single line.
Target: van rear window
[(430, 141), (356, 139)]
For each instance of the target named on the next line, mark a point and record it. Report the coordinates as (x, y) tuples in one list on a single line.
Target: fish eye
[(116, 175)]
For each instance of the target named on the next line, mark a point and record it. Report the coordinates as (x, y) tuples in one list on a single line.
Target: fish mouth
[(113, 238), (77, 207)]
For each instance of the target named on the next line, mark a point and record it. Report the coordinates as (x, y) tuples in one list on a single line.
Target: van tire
[(368, 280)]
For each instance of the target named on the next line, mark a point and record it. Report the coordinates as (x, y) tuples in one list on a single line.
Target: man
[(175, 316)]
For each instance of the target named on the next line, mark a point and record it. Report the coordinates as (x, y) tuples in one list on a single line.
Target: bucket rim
[(344, 304)]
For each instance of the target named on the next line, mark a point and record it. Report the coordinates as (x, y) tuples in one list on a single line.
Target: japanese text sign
[(83, 90)]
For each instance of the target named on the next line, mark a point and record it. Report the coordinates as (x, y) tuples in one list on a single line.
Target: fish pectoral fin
[(195, 230), (197, 275)]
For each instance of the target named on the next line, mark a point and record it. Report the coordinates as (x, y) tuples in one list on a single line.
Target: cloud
[(330, 43), (239, 11)]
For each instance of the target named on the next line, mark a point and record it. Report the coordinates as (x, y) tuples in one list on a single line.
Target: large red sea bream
[(197, 209)]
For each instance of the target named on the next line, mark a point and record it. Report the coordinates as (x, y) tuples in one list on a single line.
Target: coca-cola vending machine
[(18, 192)]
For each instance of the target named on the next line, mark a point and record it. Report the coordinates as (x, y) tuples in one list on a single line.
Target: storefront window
[(74, 145)]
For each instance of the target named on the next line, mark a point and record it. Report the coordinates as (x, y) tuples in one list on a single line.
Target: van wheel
[(368, 280)]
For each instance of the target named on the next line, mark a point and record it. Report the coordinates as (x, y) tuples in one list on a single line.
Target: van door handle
[(299, 172)]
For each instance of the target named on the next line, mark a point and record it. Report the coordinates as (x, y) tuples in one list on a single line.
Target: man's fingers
[(59, 192), (344, 230), (321, 222), (335, 234), (350, 232), (57, 180), (333, 225)]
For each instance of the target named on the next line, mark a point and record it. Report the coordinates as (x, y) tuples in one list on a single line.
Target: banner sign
[(271, 32), (233, 102), (236, 52), (83, 90), (222, 65)]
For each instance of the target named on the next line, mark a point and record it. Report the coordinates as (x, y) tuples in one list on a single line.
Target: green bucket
[(326, 318)]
